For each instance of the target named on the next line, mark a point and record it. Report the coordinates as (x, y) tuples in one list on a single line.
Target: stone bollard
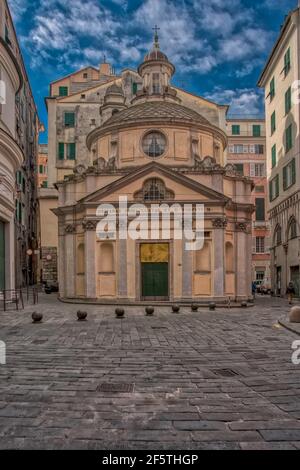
[(175, 308), (212, 306), (194, 307), (149, 311), (244, 304), (81, 316), (295, 315), (36, 317), (120, 312)]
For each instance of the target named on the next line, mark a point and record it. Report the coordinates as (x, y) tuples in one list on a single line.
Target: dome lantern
[(156, 72)]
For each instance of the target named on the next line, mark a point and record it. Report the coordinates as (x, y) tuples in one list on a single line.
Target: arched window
[(154, 190), (292, 229), (277, 236)]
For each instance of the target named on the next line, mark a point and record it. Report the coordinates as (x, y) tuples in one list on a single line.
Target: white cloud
[(246, 101)]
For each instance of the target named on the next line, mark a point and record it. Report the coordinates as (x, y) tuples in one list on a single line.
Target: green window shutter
[(235, 129), (256, 131), (69, 119), (288, 101), (71, 153), (41, 169), (293, 170), (260, 209), (63, 91), (274, 156), (273, 123), (288, 138), (272, 88), (271, 191), (277, 186), (61, 151), (239, 168), (134, 88), (287, 61), (284, 175)]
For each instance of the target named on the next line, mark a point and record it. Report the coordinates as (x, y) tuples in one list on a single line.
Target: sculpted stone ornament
[(219, 223), (241, 226), (106, 165), (70, 228), (206, 165), (231, 170), (79, 169), (89, 225)]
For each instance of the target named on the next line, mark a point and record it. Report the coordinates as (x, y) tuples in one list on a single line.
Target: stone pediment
[(183, 186)]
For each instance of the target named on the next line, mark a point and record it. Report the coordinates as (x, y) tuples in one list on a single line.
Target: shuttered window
[(235, 129), (69, 119), (274, 156), (287, 62), (63, 91), (274, 188), (256, 131), (71, 151), (134, 88), (288, 101), (272, 88), (289, 175), (288, 138), (273, 123), (239, 168), (61, 151), (260, 209)]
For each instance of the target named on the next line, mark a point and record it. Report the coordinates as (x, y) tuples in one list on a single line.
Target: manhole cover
[(225, 372), (115, 388)]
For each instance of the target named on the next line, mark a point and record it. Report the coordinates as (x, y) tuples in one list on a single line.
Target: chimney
[(105, 68)]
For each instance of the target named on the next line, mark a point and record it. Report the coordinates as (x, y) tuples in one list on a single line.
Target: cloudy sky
[(218, 46)]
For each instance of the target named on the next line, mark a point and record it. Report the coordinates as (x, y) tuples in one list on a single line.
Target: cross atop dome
[(156, 40)]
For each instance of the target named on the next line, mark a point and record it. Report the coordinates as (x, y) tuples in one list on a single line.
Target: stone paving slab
[(204, 380)]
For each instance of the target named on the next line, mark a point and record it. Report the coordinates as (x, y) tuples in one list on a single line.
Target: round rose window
[(154, 144)]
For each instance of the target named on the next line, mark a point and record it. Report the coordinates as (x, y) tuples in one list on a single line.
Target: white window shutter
[(253, 245), (252, 170)]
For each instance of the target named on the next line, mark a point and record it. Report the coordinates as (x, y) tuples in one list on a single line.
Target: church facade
[(160, 146)]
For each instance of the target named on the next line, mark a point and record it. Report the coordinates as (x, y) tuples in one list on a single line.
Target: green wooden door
[(2, 255), (155, 281)]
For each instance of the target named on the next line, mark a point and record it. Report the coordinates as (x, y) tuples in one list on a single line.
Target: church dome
[(156, 54), (152, 111)]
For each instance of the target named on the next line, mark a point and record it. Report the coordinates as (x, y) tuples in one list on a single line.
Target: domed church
[(164, 146)]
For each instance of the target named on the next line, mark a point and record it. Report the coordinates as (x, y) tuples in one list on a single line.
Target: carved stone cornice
[(219, 222)]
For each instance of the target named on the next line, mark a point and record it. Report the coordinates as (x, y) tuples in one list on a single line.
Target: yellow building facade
[(164, 146)]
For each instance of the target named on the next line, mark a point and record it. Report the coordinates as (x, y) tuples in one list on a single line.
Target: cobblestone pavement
[(206, 380)]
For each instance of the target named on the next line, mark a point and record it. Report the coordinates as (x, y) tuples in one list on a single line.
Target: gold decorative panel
[(155, 253)]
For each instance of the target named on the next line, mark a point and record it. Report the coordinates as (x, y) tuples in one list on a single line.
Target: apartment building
[(43, 166), (247, 152), (19, 127), (279, 80)]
